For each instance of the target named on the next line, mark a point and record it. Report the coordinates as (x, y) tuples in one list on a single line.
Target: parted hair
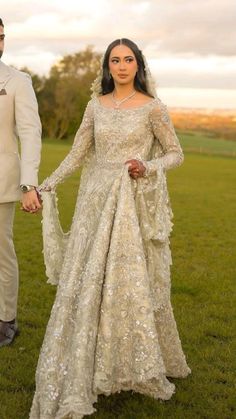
[(1, 23), (140, 77)]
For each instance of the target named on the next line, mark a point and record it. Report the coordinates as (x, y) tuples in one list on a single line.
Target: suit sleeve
[(164, 132), (81, 146), (28, 128)]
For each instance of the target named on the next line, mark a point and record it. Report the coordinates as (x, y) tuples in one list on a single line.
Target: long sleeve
[(82, 143), (164, 132), (28, 127)]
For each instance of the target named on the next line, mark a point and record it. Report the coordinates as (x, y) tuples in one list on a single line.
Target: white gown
[(111, 327)]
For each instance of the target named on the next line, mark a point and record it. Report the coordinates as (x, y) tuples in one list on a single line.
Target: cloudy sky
[(190, 44)]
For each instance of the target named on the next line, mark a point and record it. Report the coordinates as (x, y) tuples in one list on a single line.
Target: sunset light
[(191, 64)]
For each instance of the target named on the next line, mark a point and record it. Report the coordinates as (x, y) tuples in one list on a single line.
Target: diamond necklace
[(119, 102)]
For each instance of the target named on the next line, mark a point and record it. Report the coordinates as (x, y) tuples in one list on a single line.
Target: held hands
[(136, 168), (31, 202)]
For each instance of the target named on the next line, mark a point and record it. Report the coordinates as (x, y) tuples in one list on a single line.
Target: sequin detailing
[(111, 327)]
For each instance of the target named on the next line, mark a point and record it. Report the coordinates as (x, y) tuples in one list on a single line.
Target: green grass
[(207, 144), (203, 295)]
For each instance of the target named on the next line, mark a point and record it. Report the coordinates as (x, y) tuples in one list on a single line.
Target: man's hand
[(30, 202)]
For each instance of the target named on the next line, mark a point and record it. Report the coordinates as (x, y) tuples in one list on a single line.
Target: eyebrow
[(127, 56)]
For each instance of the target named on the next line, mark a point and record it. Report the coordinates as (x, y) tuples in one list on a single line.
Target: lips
[(122, 76)]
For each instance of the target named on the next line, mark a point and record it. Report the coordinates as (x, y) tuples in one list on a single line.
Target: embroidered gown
[(112, 326)]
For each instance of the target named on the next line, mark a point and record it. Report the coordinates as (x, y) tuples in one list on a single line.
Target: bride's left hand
[(135, 168)]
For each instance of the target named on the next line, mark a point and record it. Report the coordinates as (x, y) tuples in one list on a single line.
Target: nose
[(122, 65)]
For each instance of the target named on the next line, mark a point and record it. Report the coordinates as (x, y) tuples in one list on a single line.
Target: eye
[(114, 60), (129, 59)]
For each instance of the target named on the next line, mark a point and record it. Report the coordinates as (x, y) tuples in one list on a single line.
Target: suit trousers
[(9, 276)]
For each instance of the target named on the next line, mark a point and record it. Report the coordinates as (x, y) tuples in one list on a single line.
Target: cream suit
[(18, 119)]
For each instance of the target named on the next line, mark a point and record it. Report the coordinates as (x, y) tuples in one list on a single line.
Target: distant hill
[(213, 123)]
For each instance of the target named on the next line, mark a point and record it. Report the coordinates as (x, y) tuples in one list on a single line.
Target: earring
[(110, 76)]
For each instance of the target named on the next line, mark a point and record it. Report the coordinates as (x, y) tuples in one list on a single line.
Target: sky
[(190, 45)]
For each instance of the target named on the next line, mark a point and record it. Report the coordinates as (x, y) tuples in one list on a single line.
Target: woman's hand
[(136, 168), (45, 186), (45, 189)]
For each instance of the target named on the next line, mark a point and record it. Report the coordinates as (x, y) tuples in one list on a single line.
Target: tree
[(63, 95)]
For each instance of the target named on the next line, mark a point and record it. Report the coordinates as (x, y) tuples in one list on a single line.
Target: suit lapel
[(5, 74)]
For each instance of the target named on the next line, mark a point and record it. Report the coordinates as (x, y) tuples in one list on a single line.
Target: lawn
[(207, 144), (203, 295)]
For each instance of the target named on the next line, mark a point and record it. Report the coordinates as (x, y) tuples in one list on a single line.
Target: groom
[(18, 179)]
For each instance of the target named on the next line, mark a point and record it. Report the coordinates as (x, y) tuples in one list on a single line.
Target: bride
[(112, 326)]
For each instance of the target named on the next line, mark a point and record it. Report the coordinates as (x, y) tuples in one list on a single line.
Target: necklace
[(119, 102)]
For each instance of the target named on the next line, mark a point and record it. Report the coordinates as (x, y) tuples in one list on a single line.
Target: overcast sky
[(190, 44)]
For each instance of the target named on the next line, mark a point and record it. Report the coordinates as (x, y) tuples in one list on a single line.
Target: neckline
[(126, 109)]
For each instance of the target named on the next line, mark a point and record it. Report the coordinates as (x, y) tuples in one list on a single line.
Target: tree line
[(63, 94)]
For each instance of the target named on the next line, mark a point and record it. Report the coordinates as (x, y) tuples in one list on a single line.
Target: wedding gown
[(111, 327)]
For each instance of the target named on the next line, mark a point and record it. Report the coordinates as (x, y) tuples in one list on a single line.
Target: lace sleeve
[(82, 143), (164, 132)]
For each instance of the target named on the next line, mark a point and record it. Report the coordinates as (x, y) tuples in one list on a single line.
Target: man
[(18, 117)]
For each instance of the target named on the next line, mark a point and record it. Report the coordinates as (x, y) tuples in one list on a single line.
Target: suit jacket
[(18, 119)]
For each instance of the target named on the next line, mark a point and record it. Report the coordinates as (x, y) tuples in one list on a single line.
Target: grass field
[(203, 295), (207, 144)]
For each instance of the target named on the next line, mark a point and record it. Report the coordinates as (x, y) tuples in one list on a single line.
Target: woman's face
[(122, 65)]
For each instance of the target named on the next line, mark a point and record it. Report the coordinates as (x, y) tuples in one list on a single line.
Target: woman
[(112, 326)]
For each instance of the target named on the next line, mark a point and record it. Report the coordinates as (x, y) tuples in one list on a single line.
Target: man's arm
[(29, 131)]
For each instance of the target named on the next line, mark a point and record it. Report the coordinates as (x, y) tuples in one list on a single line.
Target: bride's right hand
[(45, 189)]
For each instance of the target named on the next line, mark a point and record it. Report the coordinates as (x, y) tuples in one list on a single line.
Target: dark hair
[(1, 23), (140, 77)]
